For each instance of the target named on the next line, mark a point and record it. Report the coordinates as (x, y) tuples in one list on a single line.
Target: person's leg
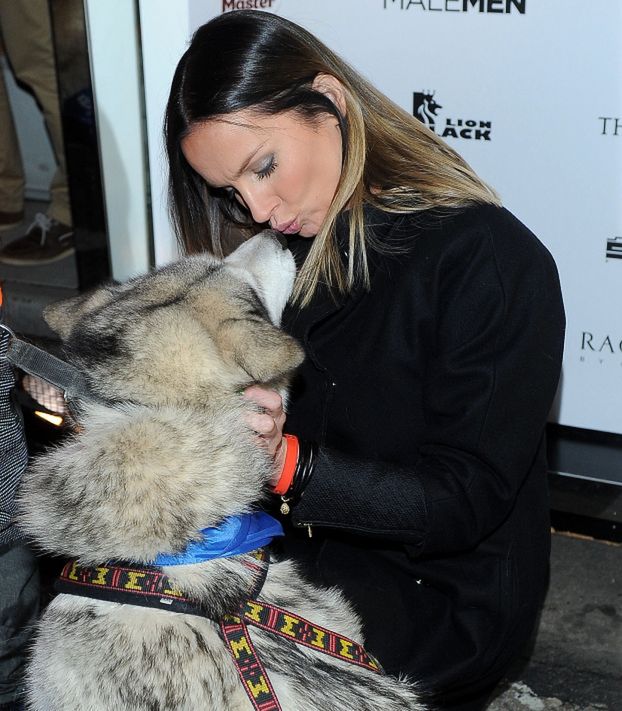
[(27, 36), (19, 610), (19, 576), (475, 699), (11, 171)]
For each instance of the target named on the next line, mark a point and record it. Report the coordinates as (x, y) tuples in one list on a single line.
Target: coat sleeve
[(13, 450), (490, 381)]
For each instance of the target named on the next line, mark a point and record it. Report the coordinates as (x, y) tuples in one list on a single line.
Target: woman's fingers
[(264, 424), (270, 400), (268, 424), (270, 436)]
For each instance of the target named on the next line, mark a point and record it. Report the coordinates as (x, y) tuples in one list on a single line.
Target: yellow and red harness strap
[(254, 677), (143, 585), (274, 619), (139, 585), (297, 629)]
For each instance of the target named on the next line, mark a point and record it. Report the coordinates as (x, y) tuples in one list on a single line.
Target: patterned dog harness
[(148, 586)]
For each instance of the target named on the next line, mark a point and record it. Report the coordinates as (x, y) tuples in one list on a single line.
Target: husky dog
[(160, 455)]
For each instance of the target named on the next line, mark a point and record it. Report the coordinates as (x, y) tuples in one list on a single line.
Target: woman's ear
[(331, 87)]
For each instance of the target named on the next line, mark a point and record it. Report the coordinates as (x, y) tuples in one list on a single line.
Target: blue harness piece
[(235, 535)]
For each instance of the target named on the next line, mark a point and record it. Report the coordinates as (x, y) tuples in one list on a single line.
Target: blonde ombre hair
[(250, 59)]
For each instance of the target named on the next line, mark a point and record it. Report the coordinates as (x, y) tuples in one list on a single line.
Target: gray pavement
[(576, 662)]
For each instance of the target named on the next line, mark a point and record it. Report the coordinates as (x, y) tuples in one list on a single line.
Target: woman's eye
[(267, 170)]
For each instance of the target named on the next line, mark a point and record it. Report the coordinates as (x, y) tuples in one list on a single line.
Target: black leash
[(44, 365)]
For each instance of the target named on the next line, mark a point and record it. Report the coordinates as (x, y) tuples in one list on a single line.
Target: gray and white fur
[(166, 454)]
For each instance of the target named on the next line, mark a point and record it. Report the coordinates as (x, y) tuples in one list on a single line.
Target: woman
[(433, 327)]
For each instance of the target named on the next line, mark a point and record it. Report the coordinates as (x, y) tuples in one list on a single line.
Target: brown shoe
[(10, 219), (46, 241)]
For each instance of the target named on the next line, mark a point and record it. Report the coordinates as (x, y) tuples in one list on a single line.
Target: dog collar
[(234, 536)]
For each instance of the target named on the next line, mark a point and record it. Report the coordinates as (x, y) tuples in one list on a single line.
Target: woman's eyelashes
[(267, 169), (264, 172)]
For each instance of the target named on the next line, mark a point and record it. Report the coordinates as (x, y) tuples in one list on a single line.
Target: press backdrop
[(528, 91)]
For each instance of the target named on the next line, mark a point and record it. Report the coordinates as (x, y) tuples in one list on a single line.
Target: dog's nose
[(281, 239)]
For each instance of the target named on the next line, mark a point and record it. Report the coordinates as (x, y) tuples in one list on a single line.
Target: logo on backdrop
[(426, 107), (601, 348), (230, 5), (614, 248), (500, 7), (610, 126)]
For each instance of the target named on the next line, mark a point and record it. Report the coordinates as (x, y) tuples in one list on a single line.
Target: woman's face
[(283, 169)]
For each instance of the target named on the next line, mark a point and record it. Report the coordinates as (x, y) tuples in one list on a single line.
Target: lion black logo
[(425, 107)]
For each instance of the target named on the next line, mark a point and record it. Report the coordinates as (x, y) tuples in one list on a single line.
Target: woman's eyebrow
[(249, 159)]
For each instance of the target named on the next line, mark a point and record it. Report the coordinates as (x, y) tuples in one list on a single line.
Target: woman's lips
[(289, 228)]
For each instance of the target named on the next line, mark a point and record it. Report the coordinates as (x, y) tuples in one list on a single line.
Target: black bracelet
[(304, 469), (307, 452)]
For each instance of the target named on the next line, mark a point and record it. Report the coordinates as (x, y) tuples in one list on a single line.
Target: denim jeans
[(19, 610)]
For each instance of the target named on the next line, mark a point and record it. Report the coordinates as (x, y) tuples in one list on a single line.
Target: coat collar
[(326, 301)]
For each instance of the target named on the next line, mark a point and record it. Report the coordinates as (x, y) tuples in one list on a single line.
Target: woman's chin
[(307, 231)]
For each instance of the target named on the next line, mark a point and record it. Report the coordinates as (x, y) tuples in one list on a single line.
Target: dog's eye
[(223, 193), (231, 196)]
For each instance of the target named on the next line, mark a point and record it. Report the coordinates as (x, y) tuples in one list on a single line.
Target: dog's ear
[(62, 316), (262, 350)]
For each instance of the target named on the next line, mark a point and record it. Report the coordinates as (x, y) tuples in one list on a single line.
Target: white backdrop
[(537, 84)]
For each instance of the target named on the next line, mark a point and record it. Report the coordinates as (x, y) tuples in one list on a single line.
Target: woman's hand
[(268, 424)]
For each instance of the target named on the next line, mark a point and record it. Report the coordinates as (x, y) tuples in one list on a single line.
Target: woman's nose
[(261, 204)]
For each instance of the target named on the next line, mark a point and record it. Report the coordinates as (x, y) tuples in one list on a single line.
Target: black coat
[(429, 396)]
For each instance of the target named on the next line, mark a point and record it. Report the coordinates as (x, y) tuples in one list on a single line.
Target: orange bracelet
[(289, 466)]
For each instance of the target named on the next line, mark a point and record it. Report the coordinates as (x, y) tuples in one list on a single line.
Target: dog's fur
[(166, 454)]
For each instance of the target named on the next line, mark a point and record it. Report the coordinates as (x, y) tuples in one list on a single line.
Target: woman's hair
[(249, 59)]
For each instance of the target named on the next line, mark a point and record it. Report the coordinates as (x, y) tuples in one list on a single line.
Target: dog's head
[(187, 330), (172, 455)]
